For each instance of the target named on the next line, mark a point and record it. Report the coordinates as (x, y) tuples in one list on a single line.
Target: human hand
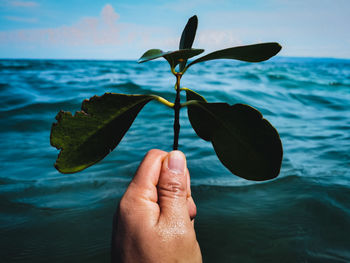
[(154, 221)]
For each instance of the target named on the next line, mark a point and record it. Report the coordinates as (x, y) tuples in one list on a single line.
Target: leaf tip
[(278, 47), (194, 18)]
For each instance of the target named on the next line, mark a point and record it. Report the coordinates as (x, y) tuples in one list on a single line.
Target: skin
[(155, 218)]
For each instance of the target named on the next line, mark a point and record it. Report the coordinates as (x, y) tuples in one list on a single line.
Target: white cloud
[(300, 31), (89, 31), (103, 36), (108, 15)]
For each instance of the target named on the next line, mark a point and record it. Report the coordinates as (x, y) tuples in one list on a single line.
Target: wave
[(302, 215)]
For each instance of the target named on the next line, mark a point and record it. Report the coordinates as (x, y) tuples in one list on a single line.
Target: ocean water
[(301, 216)]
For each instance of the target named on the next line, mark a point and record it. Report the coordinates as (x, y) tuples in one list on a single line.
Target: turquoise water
[(302, 216)]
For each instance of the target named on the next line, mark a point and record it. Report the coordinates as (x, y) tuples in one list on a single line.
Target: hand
[(154, 221)]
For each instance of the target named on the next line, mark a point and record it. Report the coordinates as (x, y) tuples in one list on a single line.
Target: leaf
[(189, 33), (178, 56), (92, 133), (250, 53), (197, 119), (187, 37), (248, 145), (173, 57), (152, 54)]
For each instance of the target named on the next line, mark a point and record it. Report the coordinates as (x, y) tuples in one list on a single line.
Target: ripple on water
[(302, 216)]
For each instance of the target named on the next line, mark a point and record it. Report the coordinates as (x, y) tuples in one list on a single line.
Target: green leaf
[(178, 56), (173, 57), (248, 145), (196, 118), (92, 133), (250, 53), (187, 37), (152, 54), (189, 33)]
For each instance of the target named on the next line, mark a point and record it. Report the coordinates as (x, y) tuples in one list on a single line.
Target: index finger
[(147, 175)]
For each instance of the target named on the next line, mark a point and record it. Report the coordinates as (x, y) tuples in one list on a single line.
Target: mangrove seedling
[(246, 143)]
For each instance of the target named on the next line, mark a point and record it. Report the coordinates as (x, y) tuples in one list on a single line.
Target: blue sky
[(124, 29)]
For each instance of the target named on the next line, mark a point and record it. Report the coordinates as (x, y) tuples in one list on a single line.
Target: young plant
[(248, 145)]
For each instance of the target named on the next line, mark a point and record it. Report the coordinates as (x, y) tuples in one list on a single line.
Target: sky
[(125, 29)]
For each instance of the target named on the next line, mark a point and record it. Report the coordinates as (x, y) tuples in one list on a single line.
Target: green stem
[(164, 101), (177, 107), (189, 102)]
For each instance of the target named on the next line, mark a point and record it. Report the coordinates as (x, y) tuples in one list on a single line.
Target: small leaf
[(178, 56), (189, 33), (92, 133), (187, 37), (248, 145), (173, 57), (250, 53), (152, 54)]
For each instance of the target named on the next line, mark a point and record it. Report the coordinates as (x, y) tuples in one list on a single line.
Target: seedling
[(247, 144)]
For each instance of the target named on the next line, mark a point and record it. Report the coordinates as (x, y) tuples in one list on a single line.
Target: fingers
[(147, 175), (173, 188), (192, 209), (163, 179)]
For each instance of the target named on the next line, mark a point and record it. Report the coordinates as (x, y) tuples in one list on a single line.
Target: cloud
[(320, 33), (109, 16), (89, 31), (105, 33), (102, 36), (104, 30)]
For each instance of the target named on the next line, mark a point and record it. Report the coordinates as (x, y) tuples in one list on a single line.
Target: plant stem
[(164, 101), (188, 103), (177, 107)]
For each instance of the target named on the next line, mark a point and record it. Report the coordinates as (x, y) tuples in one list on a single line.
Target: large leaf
[(248, 145), (187, 37), (250, 53), (92, 133), (173, 57)]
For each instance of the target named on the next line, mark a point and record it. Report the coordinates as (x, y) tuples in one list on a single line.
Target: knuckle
[(172, 187)]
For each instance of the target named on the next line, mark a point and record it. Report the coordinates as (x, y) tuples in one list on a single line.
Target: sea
[(301, 216)]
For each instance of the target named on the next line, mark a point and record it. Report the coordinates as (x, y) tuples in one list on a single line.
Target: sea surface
[(301, 216)]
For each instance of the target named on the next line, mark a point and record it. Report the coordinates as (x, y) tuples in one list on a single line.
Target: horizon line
[(124, 59)]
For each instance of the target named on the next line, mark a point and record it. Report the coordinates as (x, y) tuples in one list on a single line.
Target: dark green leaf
[(173, 57), (92, 133), (187, 37), (189, 33), (248, 145), (197, 119), (178, 56), (250, 53)]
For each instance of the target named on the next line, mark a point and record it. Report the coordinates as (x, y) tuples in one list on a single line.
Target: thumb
[(172, 187)]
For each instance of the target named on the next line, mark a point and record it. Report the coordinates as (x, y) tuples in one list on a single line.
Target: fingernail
[(176, 162)]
